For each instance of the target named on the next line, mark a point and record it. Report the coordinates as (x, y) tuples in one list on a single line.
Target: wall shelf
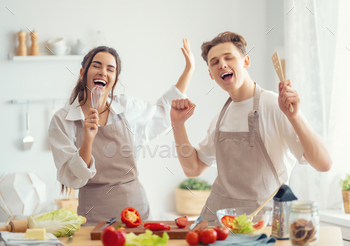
[(46, 58)]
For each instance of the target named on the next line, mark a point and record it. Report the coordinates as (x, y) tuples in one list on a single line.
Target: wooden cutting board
[(174, 232)]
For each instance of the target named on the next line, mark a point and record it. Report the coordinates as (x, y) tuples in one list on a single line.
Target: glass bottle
[(304, 223), (100, 39)]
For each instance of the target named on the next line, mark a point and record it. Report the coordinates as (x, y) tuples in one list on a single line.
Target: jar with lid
[(304, 223)]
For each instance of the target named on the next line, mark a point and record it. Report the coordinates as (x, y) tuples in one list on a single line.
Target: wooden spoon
[(250, 216)]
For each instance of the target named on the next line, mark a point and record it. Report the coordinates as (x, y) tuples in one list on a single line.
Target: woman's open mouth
[(100, 83)]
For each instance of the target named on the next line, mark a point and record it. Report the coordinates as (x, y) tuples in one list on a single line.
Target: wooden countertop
[(328, 236)]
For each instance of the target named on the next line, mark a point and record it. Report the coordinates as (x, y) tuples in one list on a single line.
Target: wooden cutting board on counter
[(174, 232)]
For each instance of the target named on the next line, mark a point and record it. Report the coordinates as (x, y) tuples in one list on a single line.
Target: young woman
[(92, 148)]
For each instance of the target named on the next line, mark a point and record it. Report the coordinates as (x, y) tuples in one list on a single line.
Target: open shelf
[(46, 58)]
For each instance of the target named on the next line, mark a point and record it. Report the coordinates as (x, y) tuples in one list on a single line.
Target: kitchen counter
[(328, 236)]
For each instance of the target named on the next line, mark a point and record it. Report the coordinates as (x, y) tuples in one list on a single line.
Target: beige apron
[(246, 175), (115, 185)]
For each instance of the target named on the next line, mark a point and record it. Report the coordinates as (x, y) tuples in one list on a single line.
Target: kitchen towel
[(17, 239), (246, 240)]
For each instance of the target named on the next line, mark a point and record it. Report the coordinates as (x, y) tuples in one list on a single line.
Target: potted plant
[(191, 195), (345, 184)]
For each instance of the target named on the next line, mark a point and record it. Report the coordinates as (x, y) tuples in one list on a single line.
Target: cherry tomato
[(181, 222), (222, 232), (192, 238), (259, 225), (208, 236)]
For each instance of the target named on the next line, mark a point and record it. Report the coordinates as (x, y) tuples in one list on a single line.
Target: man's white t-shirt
[(277, 133)]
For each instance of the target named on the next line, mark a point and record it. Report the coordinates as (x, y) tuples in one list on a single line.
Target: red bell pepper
[(156, 226), (113, 236), (130, 217), (259, 225), (227, 220)]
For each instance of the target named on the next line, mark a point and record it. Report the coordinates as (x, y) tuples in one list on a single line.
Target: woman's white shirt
[(146, 120), (277, 133)]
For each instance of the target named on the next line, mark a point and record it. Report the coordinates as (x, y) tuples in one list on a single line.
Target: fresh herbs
[(345, 183), (195, 184)]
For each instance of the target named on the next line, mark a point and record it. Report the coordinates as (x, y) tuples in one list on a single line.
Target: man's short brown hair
[(224, 37)]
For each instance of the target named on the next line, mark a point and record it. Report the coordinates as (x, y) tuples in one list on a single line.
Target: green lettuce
[(61, 222), (243, 225), (146, 239)]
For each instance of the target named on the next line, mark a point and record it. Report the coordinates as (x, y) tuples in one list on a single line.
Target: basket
[(190, 202), (346, 200)]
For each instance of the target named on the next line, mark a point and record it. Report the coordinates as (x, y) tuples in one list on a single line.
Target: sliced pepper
[(131, 217), (227, 220), (259, 225), (156, 226)]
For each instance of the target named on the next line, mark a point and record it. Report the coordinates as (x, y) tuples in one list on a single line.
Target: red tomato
[(227, 220), (113, 237), (222, 232), (208, 236), (192, 238), (198, 231), (181, 222), (259, 225)]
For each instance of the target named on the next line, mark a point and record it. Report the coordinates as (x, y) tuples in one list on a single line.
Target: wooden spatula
[(279, 71), (250, 216)]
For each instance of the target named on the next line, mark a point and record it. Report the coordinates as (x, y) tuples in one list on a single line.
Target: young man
[(255, 140)]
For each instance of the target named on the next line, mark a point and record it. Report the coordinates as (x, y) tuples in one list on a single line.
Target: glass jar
[(304, 223)]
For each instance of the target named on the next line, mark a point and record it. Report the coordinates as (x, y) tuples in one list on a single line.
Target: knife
[(199, 219), (110, 222), (70, 239)]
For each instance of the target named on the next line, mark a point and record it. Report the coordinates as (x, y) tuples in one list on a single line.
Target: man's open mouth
[(227, 76), (100, 83)]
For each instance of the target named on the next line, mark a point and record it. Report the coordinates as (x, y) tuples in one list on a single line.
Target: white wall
[(147, 35)]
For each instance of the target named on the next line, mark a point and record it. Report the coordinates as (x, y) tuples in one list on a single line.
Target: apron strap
[(229, 100), (253, 116)]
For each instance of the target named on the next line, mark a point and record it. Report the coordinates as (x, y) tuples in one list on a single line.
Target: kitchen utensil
[(277, 64), (174, 233), (263, 205), (263, 215), (16, 226), (281, 211), (199, 219), (70, 239), (22, 47), (20, 226), (28, 140), (110, 222), (34, 48), (96, 94), (58, 46), (79, 48)]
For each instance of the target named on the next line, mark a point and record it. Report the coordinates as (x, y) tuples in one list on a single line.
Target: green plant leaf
[(345, 183), (195, 184)]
